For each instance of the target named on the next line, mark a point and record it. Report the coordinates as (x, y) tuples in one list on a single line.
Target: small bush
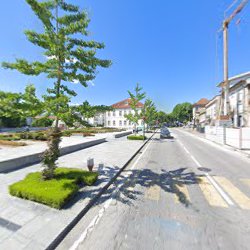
[(55, 192), (12, 143), (136, 137), (88, 134), (42, 122), (40, 136)]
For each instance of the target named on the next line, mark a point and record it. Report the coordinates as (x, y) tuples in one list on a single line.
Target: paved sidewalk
[(7, 153), (202, 135), (29, 225)]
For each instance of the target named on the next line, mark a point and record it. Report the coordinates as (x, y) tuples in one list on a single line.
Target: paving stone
[(41, 224)]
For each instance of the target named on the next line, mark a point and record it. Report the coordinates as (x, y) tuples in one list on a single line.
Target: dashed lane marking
[(211, 194), (240, 198), (153, 193), (246, 181)]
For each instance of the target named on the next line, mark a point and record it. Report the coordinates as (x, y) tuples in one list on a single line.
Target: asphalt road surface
[(180, 193)]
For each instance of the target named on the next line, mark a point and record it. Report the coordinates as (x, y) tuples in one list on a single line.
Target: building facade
[(239, 99), (199, 112), (212, 110), (117, 119)]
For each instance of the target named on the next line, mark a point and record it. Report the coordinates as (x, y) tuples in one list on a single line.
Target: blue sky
[(169, 47)]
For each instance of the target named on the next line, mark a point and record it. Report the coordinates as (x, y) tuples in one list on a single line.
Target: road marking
[(210, 178), (220, 190), (246, 181), (106, 205), (211, 194), (153, 193), (240, 198), (183, 194)]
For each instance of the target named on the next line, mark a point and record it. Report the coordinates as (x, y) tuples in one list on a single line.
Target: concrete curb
[(121, 134), (78, 217), (230, 148), (24, 161)]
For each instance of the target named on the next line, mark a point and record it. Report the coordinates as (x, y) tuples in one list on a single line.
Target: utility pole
[(226, 22)]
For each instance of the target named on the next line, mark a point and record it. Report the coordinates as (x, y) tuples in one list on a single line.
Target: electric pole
[(226, 22)]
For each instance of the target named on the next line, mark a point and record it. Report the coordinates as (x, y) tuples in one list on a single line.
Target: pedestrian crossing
[(182, 193)]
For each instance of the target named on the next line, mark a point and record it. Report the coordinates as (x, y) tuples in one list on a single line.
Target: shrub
[(42, 122), (55, 192), (12, 143), (88, 134), (9, 137), (41, 136), (136, 137)]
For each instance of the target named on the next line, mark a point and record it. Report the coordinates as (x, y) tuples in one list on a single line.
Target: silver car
[(164, 133)]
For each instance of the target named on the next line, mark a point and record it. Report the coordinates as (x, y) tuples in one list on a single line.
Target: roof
[(235, 79), (213, 100), (125, 104), (202, 102)]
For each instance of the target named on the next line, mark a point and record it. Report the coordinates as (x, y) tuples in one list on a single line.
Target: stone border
[(59, 238), (121, 134), (27, 160)]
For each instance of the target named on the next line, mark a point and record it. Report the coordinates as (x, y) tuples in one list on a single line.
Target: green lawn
[(54, 193)]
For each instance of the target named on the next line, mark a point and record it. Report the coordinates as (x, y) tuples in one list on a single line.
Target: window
[(109, 113), (113, 113), (108, 123), (125, 123), (120, 123), (120, 113), (125, 112), (113, 123)]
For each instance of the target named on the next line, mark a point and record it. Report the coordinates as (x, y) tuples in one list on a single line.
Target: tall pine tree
[(69, 59)]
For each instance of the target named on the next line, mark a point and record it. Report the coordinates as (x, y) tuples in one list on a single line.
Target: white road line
[(210, 178), (219, 189), (107, 203)]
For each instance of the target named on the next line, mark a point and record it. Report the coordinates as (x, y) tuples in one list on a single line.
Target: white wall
[(235, 137)]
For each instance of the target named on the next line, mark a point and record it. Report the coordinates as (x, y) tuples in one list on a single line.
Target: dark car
[(164, 133)]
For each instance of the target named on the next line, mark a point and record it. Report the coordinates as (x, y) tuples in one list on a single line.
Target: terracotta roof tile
[(125, 104), (202, 102)]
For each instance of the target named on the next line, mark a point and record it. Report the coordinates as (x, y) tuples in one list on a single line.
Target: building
[(212, 110), (117, 119), (239, 99), (199, 112)]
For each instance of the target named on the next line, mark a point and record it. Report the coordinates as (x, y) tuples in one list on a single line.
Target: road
[(181, 193)]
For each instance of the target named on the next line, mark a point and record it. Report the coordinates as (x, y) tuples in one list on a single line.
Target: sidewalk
[(202, 136), (29, 225)]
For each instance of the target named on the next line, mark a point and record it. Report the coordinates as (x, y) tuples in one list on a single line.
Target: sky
[(168, 47)]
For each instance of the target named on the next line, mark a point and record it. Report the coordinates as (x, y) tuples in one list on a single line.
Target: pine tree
[(69, 58)]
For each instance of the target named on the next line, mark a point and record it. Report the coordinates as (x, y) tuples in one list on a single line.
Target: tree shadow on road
[(168, 181), (132, 184)]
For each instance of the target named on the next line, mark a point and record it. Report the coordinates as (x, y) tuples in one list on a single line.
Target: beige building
[(199, 112), (212, 110)]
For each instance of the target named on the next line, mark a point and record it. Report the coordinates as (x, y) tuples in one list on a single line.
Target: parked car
[(164, 133)]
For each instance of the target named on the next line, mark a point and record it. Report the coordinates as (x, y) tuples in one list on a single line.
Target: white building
[(117, 119)]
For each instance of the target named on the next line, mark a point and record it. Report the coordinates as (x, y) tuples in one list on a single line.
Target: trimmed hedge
[(56, 192), (12, 143), (136, 137)]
